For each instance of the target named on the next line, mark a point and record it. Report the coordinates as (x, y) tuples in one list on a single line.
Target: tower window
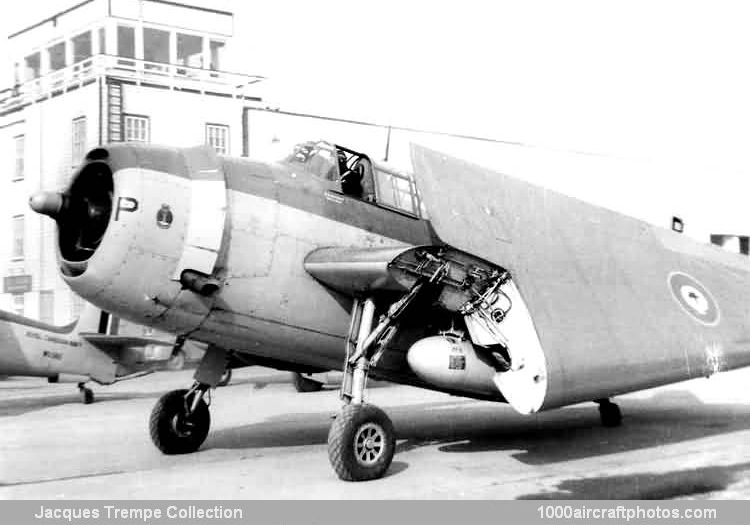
[(32, 66), (189, 50), (82, 47), (57, 56), (102, 32), (155, 45), (217, 51), (126, 41)]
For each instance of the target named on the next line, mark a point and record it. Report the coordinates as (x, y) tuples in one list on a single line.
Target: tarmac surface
[(690, 440)]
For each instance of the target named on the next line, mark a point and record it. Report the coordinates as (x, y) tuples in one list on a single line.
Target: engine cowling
[(451, 362), (139, 230)]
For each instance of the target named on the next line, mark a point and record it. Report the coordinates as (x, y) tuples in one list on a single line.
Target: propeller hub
[(48, 203)]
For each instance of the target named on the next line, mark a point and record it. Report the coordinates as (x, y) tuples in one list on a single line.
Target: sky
[(654, 93)]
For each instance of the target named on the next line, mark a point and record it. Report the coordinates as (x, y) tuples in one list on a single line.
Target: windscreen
[(318, 158)]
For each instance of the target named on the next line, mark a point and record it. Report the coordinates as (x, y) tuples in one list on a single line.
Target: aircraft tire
[(361, 443), (226, 378), (303, 384), (87, 396), (610, 415), (172, 431)]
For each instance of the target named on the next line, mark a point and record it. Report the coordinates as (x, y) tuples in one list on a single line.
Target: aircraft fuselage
[(267, 305)]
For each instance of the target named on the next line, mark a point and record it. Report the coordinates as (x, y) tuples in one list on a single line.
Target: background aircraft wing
[(618, 304), (115, 344)]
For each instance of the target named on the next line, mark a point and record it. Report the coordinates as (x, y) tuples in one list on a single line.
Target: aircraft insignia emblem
[(694, 298), (164, 217)]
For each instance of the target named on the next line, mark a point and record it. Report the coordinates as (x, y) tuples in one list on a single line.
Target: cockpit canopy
[(357, 175), (316, 157)]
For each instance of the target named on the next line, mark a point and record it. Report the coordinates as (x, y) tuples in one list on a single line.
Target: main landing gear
[(362, 441), (180, 420), (609, 413)]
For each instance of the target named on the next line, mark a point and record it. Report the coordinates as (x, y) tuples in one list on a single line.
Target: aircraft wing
[(605, 292), (115, 344)]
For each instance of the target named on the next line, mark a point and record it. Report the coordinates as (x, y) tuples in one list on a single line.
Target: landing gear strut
[(87, 395), (609, 413)]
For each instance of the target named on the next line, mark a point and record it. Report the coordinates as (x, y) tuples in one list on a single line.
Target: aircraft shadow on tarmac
[(649, 485), (19, 406), (546, 438), (37, 397)]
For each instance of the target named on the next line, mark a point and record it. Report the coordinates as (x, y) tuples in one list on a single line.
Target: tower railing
[(174, 76)]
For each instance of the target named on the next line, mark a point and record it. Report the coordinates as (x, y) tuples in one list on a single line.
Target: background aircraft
[(80, 351), (509, 292)]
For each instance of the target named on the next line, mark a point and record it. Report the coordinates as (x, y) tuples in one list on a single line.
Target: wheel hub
[(369, 444), (182, 425)]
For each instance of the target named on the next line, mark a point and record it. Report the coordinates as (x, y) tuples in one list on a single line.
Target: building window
[(57, 56), (18, 237), (217, 52), (18, 303), (136, 128), (20, 157), (81, 46), (32, 66), (189, 50), (155, 45), (79, 140), (126, 41), (47, 306), (76, 306), (217, 136)]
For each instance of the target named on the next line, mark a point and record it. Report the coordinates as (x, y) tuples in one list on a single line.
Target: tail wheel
[(172, 429), (303, 384), (361, 443), (610, 414), (87, 396)]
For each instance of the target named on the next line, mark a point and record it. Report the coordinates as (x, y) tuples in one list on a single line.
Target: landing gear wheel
[(303, 384), (173, 430), (610, 414), (361, 443), (226, 378), (87, 395)]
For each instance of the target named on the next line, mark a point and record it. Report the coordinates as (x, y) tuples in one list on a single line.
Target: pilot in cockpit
[(351, 178)]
